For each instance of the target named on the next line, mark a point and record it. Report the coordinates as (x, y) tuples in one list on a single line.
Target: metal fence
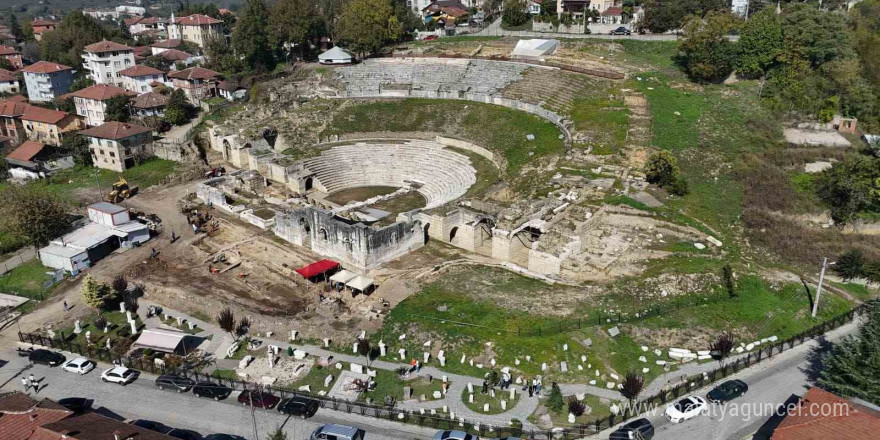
[(442, 423)]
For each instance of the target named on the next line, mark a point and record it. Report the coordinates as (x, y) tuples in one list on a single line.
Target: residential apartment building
[(91, 102), (196, 28), (9, 82), (161, 46), (119, 146), (140, 79), (137, 25), (197, 83), (149, 104), (11, 128), (105, 59), (11, 54), (46, 81), (49, 126)]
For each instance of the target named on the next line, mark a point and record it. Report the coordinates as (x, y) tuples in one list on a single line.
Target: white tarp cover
[(336, 54), (160, 340), (360, 283), (534, 48), (343, 276)]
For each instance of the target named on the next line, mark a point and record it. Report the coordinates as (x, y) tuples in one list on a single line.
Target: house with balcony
[(9, 82), (197, 83), (105, 59), (11, 129), (149, 104), (49, 126), (139, 79), (91, 102), (195, 28), (41, 26), (12, 55), (119, 146), (46, 80)]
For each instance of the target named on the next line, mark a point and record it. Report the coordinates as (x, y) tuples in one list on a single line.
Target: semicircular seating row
[(434, 74), (444, 175)]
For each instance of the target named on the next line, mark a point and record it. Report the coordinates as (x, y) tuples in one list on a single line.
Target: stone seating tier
[(443, 174)]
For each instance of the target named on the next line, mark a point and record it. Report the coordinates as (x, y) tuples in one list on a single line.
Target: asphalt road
[(771, 383), (142, 400)]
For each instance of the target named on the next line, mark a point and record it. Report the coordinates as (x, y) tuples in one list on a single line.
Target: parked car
[(727, 391), (258, 398), (640, 429), (430, 38), (211, 390), (76, 404), (621, 31), (174, 382), (79, 365), (454, 435), (685, 409), (299, 406), (120, 375), (46, 357), (337, 432), (184, 434)]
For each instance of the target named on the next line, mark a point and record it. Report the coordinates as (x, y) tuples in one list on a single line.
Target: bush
[(515, 13), (679, 187), (576, 407)]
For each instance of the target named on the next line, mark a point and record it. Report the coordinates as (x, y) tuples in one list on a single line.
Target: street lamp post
[(825, 265)]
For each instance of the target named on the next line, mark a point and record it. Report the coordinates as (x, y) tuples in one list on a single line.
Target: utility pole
[(825, 265)]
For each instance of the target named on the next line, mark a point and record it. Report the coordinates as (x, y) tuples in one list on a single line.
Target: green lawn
[(644, 54), (859, 291), (315, 379), (225, 374), (116, 321), (481, 399), (606, 121), (96, 182), (498, 128), (27, 280), (388, 383)]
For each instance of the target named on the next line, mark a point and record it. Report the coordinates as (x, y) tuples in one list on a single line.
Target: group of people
[(30, 382), (533, 387)]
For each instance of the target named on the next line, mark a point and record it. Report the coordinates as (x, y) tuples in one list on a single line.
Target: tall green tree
[(850, 187), (178, 109), (118, 109), (76, 31), (34, 212), (515, 13), (95, 293), (367, 25), (759, 45), (15, 28), (704, 52), (664, 15), (295, 22), (661, 168), (853, 367), (850, 264), (250, 39)]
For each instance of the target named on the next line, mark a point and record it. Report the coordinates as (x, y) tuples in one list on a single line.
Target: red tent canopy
[(317, 268)]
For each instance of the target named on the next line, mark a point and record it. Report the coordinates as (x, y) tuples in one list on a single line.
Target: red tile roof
[(6, 75), (613, 11), (140, 70), (822, 415), (115, 130), (6, 50), (174, 55), (93, 426), (16, 98), (168, 44), (149, 100), (25, 152), (21, 416), (196, 20), (101, 92), (13, 109), (132, 20), (43, 22), (106, 46), (142, 50), (44, 115), (43, 30), (194, 73), (152, 20), (45, 67)]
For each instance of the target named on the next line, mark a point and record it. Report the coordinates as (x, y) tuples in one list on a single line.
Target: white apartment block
[(104, 60), (139, 79), (91, 102)]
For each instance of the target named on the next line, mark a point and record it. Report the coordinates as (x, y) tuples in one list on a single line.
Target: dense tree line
[(810, 60), (65, 44)]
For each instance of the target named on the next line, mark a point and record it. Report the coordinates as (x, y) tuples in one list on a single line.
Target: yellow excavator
[(121, 191)]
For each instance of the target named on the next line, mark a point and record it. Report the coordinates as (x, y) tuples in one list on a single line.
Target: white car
[(120, 375), (79, 365), (685, 409)]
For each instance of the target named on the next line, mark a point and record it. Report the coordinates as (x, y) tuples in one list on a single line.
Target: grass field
[(92, 183), (606, 120), (27, 280), (498, 128), (388, 383)]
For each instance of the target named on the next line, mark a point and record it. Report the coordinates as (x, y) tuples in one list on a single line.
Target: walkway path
[(221, 342)]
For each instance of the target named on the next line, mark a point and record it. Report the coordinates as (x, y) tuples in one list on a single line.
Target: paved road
[(771, 383), (142, 400)]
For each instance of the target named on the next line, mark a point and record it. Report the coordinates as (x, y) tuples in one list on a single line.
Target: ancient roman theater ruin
[(552, 237)]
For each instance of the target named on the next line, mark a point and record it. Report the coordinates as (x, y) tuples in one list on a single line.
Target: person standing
[(25, 383), (538, 386), (65, 307), (32, 381), (531, 388)]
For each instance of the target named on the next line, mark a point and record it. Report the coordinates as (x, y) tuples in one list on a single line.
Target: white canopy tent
[(336, 55), (360, 283)]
